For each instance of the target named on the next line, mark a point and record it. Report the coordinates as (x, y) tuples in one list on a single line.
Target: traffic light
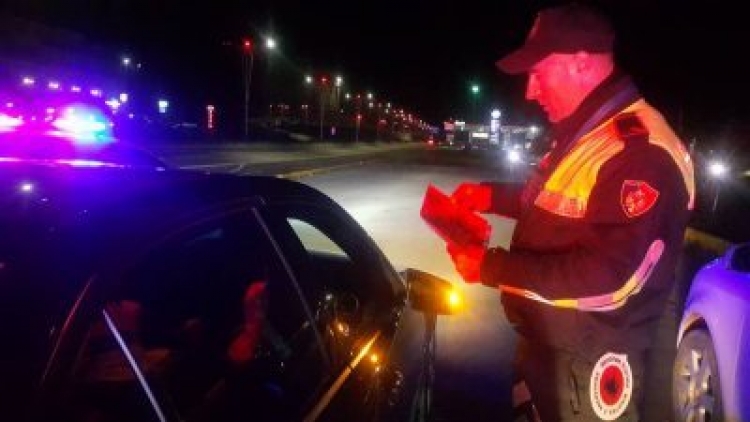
[(247, 45)]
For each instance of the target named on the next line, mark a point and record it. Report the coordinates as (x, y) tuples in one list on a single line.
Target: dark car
[(137, 293)]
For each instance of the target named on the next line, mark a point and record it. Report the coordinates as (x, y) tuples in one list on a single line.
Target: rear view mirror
[(431, 294)]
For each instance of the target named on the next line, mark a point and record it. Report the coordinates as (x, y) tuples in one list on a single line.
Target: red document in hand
[(455, 224)]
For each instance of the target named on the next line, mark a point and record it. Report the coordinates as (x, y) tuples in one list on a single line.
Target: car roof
[(65, 222), (118, 199)]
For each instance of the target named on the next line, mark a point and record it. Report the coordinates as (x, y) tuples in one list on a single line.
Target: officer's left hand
[(467, 260)]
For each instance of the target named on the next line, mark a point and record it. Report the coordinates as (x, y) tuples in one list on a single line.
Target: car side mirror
[(737, 258), (431, 294)]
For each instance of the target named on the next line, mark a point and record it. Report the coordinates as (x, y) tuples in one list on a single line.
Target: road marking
[(299, 174)]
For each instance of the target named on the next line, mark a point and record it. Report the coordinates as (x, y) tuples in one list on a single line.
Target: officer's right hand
[(473, 196), (468, 260)]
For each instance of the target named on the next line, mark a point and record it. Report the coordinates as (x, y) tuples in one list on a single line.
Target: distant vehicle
[(143, 293), (711, 377), (77, 134)]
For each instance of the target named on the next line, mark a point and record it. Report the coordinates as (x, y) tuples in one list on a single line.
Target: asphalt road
[(382, 185)]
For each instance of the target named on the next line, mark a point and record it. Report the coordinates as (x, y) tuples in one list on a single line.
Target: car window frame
[(93, 299), (376, 339)]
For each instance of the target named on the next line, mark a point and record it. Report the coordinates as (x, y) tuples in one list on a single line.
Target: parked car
[(711, 377), (78, 134), (137, 292)]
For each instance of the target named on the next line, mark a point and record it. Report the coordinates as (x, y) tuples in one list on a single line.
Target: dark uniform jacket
[(599, 227)]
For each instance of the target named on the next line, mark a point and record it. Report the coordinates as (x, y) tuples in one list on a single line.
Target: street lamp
[(718, 171), (323, 85), (248, 57), (338, 83), (474, 97), (247, 71), (359, 121)]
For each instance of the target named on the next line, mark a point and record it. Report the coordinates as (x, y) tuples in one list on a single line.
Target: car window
[(215, 327), (338, 254), (349, 292), (313, 239)]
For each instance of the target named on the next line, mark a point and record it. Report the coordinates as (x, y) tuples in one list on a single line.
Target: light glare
[(717, 169), (26, 187)]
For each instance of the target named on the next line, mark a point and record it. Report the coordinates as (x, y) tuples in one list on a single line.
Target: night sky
[(422, 55)]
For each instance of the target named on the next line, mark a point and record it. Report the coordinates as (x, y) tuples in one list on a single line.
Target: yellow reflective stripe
[(557, 203), (605, 302), (662, 135), (567, 190), (565, 303)]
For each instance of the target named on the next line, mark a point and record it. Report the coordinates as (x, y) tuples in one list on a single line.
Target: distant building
[(493, 135)]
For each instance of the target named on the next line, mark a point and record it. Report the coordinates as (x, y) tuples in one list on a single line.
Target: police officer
[(599, 227)]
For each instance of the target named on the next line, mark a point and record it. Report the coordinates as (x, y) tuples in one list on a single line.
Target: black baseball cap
[(563, 29)]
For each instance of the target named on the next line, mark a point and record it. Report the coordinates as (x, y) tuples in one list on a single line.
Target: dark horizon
[(422, 56)]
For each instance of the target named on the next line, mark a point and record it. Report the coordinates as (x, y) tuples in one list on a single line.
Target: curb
[(706, 241)]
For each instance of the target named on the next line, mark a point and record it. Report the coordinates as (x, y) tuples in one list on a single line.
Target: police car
[(77, 134), (132, 291), (711, 377)]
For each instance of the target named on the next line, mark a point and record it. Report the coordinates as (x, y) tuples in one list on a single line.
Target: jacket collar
[(616, 92)]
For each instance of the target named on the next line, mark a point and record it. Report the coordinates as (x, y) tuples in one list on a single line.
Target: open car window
[(205, 327)]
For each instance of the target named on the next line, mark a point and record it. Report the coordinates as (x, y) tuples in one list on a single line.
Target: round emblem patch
[(611, 386)]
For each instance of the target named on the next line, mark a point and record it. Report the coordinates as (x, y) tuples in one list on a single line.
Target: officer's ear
[(592, 68)]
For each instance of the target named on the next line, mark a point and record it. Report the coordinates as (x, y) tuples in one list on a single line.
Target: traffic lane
[(262, 158), (474, 348)]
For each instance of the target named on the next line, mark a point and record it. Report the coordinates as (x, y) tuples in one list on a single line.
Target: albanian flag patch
[(611, 386), (637, 197)]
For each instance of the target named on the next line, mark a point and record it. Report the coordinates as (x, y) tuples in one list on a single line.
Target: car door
[(206, 325), (356, 299)]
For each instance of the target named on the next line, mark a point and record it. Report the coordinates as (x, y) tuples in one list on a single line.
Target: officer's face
[(556, 84)]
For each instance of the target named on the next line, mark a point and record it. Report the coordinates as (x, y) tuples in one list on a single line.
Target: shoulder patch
[(637, 197), (630, 128)]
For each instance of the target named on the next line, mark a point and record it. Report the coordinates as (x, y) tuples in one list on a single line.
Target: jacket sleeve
[(622, 238), (505, 198)]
